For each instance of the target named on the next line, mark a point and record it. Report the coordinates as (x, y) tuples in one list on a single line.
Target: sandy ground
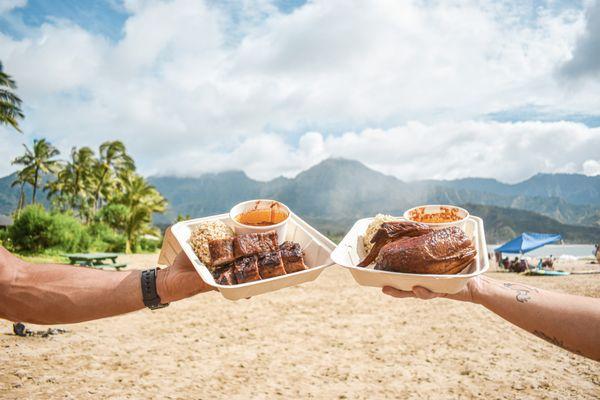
[(329, 339)]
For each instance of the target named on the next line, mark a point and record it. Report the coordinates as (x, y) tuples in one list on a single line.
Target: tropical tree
[(74, 183), (10, 103), (39, 160), (24, 177), (142, 201), (58, 193), (113, 161)]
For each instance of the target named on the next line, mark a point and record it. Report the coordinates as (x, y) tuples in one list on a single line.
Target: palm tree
[(58, 193), (113, 161), (23, 177), (10, 103), (73, 185), (37, 161), (142, 201)]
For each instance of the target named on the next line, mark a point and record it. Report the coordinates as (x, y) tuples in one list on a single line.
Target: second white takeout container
[(315, 245), (350, 252)]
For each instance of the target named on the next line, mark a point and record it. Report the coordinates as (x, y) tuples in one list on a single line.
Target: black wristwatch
[(149, 293)]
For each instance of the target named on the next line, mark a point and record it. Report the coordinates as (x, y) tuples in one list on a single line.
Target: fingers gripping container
[(350, 252), (315, 245)]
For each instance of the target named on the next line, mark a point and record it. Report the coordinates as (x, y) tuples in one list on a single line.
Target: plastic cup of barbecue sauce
[(261, 216), (438, 216)]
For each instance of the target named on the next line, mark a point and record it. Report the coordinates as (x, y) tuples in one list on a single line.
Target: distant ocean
[(557, 250)]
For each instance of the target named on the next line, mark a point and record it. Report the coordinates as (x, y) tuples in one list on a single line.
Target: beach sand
[(329, 339)]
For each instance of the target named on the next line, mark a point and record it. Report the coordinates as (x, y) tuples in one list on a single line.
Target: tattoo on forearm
[(554, 341), (523, 291), (549, 339)]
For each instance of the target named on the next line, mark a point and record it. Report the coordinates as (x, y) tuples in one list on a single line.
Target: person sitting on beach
[(514, 265), (548, 263), (49, 294), (540, 264), (565, 320), (522, 266)]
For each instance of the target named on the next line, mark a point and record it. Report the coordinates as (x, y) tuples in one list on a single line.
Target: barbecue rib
[(291, 254), (221, 251), (225, 275), (270, 265), (253, 243), (246, 269), (253, 256), (415, 248)]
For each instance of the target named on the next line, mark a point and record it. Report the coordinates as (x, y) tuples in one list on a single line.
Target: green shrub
[(68, 233), (29, 231), (114, 215), (36, 230), (106, 239), (4, 238), (147, 245)]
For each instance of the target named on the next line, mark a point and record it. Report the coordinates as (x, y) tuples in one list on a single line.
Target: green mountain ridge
[(336, 192)]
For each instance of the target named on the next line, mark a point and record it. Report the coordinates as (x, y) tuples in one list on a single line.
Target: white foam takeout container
[(350, 252), (316, 246)]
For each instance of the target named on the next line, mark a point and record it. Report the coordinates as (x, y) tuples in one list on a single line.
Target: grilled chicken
[(415, 248), (391, 231), (444, 251), (292, 256)]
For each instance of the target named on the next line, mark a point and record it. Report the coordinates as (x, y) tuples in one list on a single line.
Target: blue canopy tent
[(528, 241)]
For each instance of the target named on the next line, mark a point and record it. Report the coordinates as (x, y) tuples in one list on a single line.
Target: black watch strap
[(149, 293)]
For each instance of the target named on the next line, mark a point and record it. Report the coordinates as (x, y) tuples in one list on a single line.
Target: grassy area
[(44, 258)]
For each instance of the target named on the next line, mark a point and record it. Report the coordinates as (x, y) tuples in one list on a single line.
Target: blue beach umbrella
[(528, 241)]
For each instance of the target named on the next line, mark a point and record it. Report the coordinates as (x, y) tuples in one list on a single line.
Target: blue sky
[(103, 17), (195, 86)]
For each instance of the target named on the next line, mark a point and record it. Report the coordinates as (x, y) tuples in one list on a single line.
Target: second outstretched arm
[(568, 321)]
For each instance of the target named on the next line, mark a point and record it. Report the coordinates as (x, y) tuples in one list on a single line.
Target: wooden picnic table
[(95, 260)]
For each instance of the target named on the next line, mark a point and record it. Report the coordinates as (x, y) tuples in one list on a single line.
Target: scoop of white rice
[(374, 227), (205, 232)]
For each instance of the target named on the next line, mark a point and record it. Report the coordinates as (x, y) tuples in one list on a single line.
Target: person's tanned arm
[(571, 322), (59, 294)]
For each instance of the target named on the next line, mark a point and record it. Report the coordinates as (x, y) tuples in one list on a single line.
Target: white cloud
[(190, 89), (591, 167), (9, 5), (507, 151), (586, 53)]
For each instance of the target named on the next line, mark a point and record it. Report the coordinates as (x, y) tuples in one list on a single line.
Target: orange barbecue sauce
[(445, 215), (263, 217)]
